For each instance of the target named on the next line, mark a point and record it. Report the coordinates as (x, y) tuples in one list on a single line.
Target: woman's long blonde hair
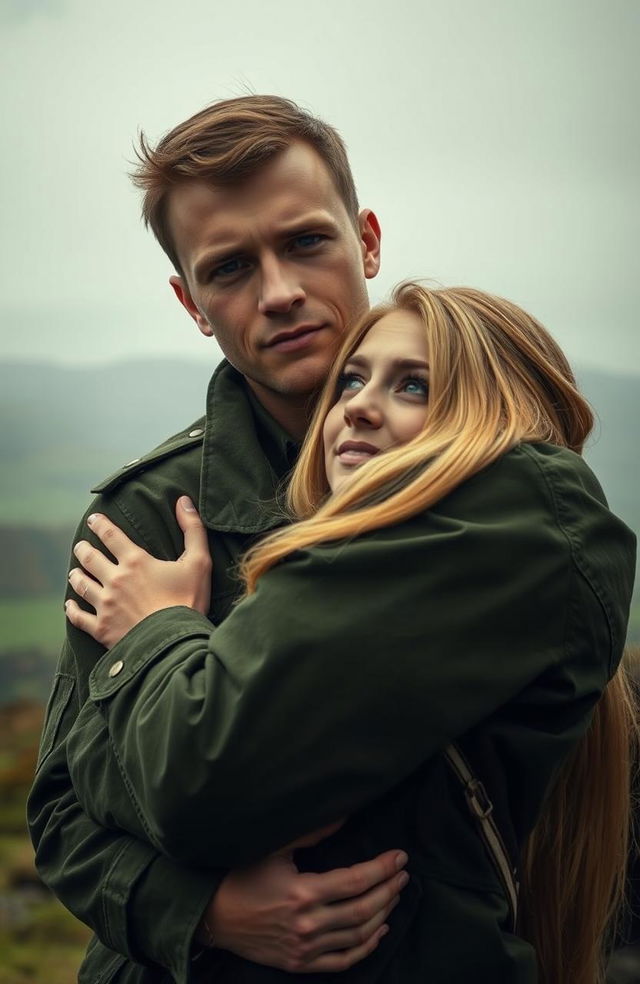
[(496, 378)]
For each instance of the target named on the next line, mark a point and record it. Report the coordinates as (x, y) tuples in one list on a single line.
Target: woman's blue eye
[(348, 382), (415, 386)]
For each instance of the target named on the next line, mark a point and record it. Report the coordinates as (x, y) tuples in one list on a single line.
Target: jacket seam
[(105, 906), (564, 524), (132, 519), (551, 491), (61, 692)]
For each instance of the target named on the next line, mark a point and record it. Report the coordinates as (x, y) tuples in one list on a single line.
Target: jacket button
[(196, 433), (116, 668)]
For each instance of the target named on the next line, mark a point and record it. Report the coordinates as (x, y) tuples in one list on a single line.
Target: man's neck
[(293, 413)]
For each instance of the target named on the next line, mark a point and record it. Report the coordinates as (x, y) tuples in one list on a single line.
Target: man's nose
[(363, 409), (280, 288)]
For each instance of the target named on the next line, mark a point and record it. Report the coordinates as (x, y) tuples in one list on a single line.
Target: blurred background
[(498, 142)]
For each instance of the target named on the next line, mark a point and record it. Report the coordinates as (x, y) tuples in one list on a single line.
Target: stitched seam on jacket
[(575, 545), (551, 491), (133, 521), (61, 692), (111, 895)]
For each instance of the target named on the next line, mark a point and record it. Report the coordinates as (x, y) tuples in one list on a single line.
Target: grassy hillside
[(40, 942)]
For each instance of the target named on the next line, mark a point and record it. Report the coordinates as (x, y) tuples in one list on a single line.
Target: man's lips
[(355, 452), (295, 338)]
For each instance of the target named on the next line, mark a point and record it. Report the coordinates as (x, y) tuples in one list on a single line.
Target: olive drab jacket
[(141, 905), (493, 619)]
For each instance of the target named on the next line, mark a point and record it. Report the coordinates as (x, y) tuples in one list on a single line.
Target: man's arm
[(110, 880), (148, 908)]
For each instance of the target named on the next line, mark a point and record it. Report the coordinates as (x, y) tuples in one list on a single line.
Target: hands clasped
[(137, 584)]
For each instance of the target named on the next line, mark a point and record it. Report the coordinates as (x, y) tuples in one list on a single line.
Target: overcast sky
[(498, 141)]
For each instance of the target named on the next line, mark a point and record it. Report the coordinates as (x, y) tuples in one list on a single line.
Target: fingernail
[(91, 519), (401, 860), (72, 571), (383, 931), (187, 504), (403, 879)]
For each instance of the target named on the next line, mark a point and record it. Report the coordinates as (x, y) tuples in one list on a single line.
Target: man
[(253, 201)]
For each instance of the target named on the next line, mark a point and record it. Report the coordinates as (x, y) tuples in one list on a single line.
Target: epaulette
[(173, 445)]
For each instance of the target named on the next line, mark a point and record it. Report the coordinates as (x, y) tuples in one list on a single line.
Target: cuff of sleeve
[(142, 645), (166, 907)]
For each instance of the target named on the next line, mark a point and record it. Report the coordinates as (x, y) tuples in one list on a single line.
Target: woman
[(454, 577)]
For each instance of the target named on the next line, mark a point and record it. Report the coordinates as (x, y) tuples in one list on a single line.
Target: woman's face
[(382, 398)]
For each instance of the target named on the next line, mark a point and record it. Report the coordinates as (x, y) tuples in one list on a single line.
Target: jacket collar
[(245, 458)]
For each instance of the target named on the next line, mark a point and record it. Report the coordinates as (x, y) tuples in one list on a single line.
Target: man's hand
[(304, 923), (138, 584)]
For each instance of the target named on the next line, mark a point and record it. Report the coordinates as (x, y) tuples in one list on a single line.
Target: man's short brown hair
[(225, 144)]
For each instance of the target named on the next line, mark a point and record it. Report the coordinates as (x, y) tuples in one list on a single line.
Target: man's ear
[(370, 235), (181, 291)]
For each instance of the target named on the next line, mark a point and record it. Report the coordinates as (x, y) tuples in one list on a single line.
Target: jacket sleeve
[(353, 664), (140, 904)]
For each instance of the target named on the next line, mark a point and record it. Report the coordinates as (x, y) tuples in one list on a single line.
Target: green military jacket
[(141, 904), (494, 619)]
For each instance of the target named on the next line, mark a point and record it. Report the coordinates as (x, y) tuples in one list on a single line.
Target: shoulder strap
[(481, 809)]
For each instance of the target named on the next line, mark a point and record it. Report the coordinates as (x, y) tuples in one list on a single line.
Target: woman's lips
[(355, 452)]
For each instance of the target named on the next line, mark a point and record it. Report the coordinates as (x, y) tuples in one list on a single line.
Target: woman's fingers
[(84, 586), (82, 620), (93, 561), (195, 534), (116, 542)]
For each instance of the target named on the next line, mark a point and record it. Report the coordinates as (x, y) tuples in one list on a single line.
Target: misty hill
[(63, 429), (66, 428)]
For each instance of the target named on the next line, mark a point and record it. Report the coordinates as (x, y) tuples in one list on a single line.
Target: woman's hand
[(138, 584), (304, 923)]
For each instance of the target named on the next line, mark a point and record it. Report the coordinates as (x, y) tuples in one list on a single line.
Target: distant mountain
[(64, 429)]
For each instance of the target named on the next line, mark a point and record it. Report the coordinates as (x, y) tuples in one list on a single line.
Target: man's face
[(275, 269)]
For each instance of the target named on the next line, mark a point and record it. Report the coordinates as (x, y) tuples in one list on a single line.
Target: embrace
[(380, 730)]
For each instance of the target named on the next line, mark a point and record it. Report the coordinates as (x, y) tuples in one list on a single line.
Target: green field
[(27, 622)]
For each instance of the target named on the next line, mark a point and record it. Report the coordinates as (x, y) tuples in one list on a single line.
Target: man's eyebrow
[(313, 220)]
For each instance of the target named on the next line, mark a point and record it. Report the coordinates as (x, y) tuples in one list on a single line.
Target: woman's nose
[(363, 409)]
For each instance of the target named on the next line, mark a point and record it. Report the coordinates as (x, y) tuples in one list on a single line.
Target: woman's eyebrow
[(361, 360)]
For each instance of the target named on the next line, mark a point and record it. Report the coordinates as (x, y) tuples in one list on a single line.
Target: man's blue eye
[(228, 268), (307, 239)]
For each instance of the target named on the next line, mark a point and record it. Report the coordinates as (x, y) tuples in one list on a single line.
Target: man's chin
[(303, 379)]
